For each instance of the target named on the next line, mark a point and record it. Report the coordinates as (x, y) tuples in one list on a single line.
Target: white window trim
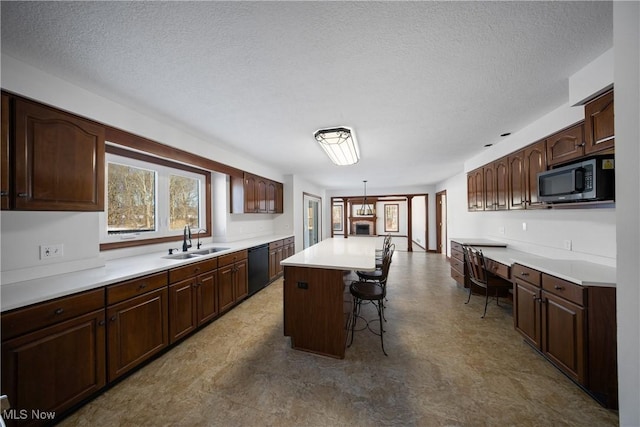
[(162, 200)]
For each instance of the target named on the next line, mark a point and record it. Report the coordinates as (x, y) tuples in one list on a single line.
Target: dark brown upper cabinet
[(254, 194), (5, 182), (566, 145), (599, 124), (58, 162)]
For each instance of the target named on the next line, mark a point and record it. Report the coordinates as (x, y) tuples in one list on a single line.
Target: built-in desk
[(316, 307)]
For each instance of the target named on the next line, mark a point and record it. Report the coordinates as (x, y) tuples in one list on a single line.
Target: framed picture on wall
[(391, 217), (336, 216)]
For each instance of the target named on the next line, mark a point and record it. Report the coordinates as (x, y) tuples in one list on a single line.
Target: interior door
[(312, 219)]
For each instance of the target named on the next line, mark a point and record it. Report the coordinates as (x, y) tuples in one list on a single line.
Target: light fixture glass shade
[(340, 145)]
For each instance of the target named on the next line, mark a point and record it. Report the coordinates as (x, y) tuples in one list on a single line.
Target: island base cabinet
[(315, 313), (137, 329), (52, 369)]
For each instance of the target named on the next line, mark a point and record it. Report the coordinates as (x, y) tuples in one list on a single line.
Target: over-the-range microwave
[(588, 180)]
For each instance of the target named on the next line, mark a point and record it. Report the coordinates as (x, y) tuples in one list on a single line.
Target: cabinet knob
[(101, 323), (581, 144), (113, 318), (196, 269), (142, 285), (535, 297), (59, 311)]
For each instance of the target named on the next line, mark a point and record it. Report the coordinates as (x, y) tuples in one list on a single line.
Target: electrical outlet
[(524, 226), (501, 230), (51, 251), (567, 245)]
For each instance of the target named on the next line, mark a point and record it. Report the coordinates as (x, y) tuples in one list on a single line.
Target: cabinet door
[(279, 198), (54, 368), (137, 329), (225, 287), (563, 335), (261, 195), (271, 196), (501, 180), (475, 190), (207, 296), (471, 192), (59, 162), (526, 311), (599, 124), (182, 309), (250, 202), (534, 162), (489, 195), (273, 264), (566, 145), (241, 280), (515, 181), (5, 182)]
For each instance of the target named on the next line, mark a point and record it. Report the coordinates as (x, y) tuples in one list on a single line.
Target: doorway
[(312, 219), (441, 222)]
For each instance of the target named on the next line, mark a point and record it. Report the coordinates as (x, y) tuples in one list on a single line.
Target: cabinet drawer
[(34, 317), (132, 288), (457, 276), (498, 269), (457, 265), (231, 258), (289, 240), (526, 274), (564, 289), (181, 273), (455, 246), (459, 255), (276, 245)]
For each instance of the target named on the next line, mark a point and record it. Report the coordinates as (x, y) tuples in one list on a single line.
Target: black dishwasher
[(258, 268)]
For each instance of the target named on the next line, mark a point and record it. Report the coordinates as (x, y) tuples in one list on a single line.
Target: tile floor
[(446, 367)]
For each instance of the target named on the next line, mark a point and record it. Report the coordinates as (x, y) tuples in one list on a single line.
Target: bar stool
[(373, 291)]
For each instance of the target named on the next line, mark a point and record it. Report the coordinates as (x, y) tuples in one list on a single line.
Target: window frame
[(141, 241)]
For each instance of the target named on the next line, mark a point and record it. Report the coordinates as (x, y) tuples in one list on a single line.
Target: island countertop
[(353, 253)]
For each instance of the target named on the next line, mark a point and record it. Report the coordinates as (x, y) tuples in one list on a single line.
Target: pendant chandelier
[(366, 209)]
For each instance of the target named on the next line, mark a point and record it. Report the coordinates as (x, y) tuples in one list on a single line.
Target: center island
[(317, 305)]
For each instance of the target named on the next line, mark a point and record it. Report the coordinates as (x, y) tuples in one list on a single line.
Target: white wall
[(626, 39), (23, 232)]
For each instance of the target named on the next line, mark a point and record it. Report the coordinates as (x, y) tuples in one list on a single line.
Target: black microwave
[(588, 180)]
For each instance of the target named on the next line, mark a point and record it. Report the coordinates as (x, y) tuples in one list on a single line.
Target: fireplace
[(363, 229)]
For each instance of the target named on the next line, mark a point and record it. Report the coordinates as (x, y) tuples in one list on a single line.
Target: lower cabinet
[(279, 250), (137, 326), (233, 283), (51, 368), (574, 327), (193, 297)]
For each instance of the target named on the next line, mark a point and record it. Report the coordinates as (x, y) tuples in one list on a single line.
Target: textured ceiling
[(424, 84)]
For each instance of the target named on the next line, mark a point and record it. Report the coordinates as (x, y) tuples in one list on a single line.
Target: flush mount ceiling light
[(340, 145)]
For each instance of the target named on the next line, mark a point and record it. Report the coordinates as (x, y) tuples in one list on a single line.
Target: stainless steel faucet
[(187, 236)]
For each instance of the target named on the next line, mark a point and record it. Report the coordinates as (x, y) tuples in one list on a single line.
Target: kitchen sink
[(194, 254)]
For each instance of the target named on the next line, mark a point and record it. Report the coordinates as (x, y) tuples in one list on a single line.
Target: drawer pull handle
[(524, 273), (142, 286), (59, 311), (558, 287), (4, 193), (23, 194)]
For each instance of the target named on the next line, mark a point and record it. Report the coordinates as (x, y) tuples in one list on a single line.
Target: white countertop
[(21, 294), (338, 253), (579, 272), (471, 241)]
